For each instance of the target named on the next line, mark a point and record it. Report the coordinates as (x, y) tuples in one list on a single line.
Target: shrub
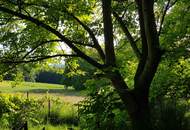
[(171, 115), (15, 111), (103, 110)]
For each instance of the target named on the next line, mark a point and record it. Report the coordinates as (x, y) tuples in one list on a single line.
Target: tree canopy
[(108, 34)]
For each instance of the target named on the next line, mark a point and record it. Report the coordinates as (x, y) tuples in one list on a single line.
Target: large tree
[(30, 29)]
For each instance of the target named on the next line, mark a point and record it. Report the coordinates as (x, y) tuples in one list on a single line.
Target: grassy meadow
[(38, 90), (63, 110)]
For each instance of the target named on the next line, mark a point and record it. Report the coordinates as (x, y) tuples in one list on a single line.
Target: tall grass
[(51, 127), (57, 115)]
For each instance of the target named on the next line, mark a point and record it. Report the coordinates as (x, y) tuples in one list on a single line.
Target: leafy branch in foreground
[(58, 34)]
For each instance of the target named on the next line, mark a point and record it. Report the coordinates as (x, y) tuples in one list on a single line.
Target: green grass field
[(37, 90)]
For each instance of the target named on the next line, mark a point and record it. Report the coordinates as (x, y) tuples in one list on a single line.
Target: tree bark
[(108, 33), (141, 118), (136, 102)]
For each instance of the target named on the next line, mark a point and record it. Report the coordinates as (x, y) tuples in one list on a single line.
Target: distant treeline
[(52, 77), (76, 81), (49, 77), (76, 73)]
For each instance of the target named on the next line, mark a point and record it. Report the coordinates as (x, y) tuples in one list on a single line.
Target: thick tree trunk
[(141, 118), (136, 102)]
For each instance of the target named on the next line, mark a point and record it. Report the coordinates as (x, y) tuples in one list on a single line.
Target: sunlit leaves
[(176, 25), (171, 80)]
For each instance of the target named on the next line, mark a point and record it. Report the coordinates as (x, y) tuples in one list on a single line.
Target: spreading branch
[(128, 35), (148, 66), (41, 44), (91, 34), (37, 58), (50, 41), (83, 44), (55, 32), (143, 60), (167, 7)]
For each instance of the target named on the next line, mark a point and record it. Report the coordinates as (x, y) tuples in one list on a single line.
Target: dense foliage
[(111, 114), (103, 109), (139, 47), (15, 111)]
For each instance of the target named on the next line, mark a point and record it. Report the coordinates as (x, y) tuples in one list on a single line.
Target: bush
[(171, 115), (15, 111), (103, 110)]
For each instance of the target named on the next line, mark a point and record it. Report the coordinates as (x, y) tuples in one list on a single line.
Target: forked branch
[(128, 35), (91, 34), (167, 7)]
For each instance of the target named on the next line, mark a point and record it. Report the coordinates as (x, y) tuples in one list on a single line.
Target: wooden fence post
[(49, 107), (27, 95), (49, 110), (26, 126)]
